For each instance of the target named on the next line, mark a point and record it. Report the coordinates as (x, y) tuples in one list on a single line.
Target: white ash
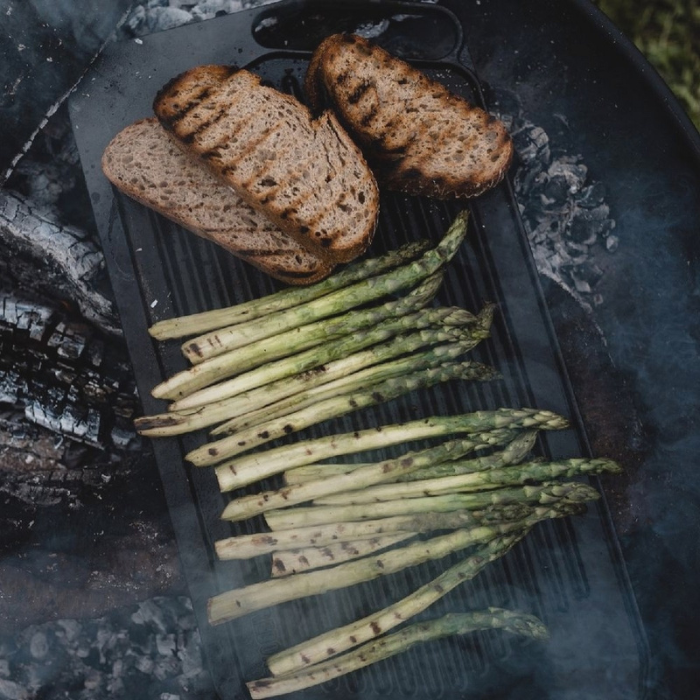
[(564, 212), (371, 30), (54, 385), (148, 650), (65, 262), (157, 15)]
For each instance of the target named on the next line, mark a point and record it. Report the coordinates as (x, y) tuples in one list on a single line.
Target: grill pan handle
[(410, 30)]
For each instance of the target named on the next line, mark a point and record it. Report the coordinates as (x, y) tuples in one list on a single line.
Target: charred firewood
[(62, 374), (56, 261)]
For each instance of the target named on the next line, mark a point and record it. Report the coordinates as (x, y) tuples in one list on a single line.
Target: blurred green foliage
[(667, 32)]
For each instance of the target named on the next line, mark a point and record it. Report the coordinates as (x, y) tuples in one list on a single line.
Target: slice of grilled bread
[(305, 174), (144, 162), (418, 136)]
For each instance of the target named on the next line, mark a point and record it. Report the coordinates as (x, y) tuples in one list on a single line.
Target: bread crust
[(145, 163), (418, 137), (306, 175)]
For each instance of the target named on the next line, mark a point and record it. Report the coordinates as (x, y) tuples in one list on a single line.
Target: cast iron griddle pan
[(570, 572)]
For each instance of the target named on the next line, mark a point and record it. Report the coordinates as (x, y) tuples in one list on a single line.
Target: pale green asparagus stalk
[(311, 472), (194, 324), (184, 383), (530, 473), (396, 643), (238, 602), (358, 294), (248, 506), (336, 406), (254, 467), (370, 377), (513, 453), (542, 494), (296, 561), (337, 641)]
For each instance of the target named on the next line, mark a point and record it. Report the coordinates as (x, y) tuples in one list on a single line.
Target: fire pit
[(609, 234)]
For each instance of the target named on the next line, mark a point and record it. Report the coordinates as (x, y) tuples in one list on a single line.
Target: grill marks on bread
[(183, 96), (147, 164), (419, 137), (306, 175)]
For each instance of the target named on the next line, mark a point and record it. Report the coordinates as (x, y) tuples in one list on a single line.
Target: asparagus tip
[(528, 626)]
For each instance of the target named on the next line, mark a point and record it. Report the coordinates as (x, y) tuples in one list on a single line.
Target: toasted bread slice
[(418, 136), (144, 162), (306, 175)]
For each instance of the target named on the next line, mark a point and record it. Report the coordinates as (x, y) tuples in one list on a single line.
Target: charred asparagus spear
[(296, 561), (513, 453), (194, 324), (529, 473), (397, 642), (542, 494), (254, 467)]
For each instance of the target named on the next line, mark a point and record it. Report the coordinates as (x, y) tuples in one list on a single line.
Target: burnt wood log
[(64, 376), (54, 260)]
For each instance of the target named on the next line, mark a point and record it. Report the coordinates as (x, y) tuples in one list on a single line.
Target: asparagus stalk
[(513, 453), (339, 640), (296, 561), (311, 472), (247, 506), (397, 642), (238, 602), (363, 292), (436, 356), (542, 494), (530, 473), (251, 468), (286, 298), (334, 407), (184, 383)]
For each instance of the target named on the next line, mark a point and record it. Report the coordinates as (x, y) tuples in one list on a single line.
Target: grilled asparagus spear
[(194, 324), (254, 467)]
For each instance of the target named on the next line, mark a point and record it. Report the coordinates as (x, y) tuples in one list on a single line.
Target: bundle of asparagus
[(361, 537), (280, 364), (367, 334)]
